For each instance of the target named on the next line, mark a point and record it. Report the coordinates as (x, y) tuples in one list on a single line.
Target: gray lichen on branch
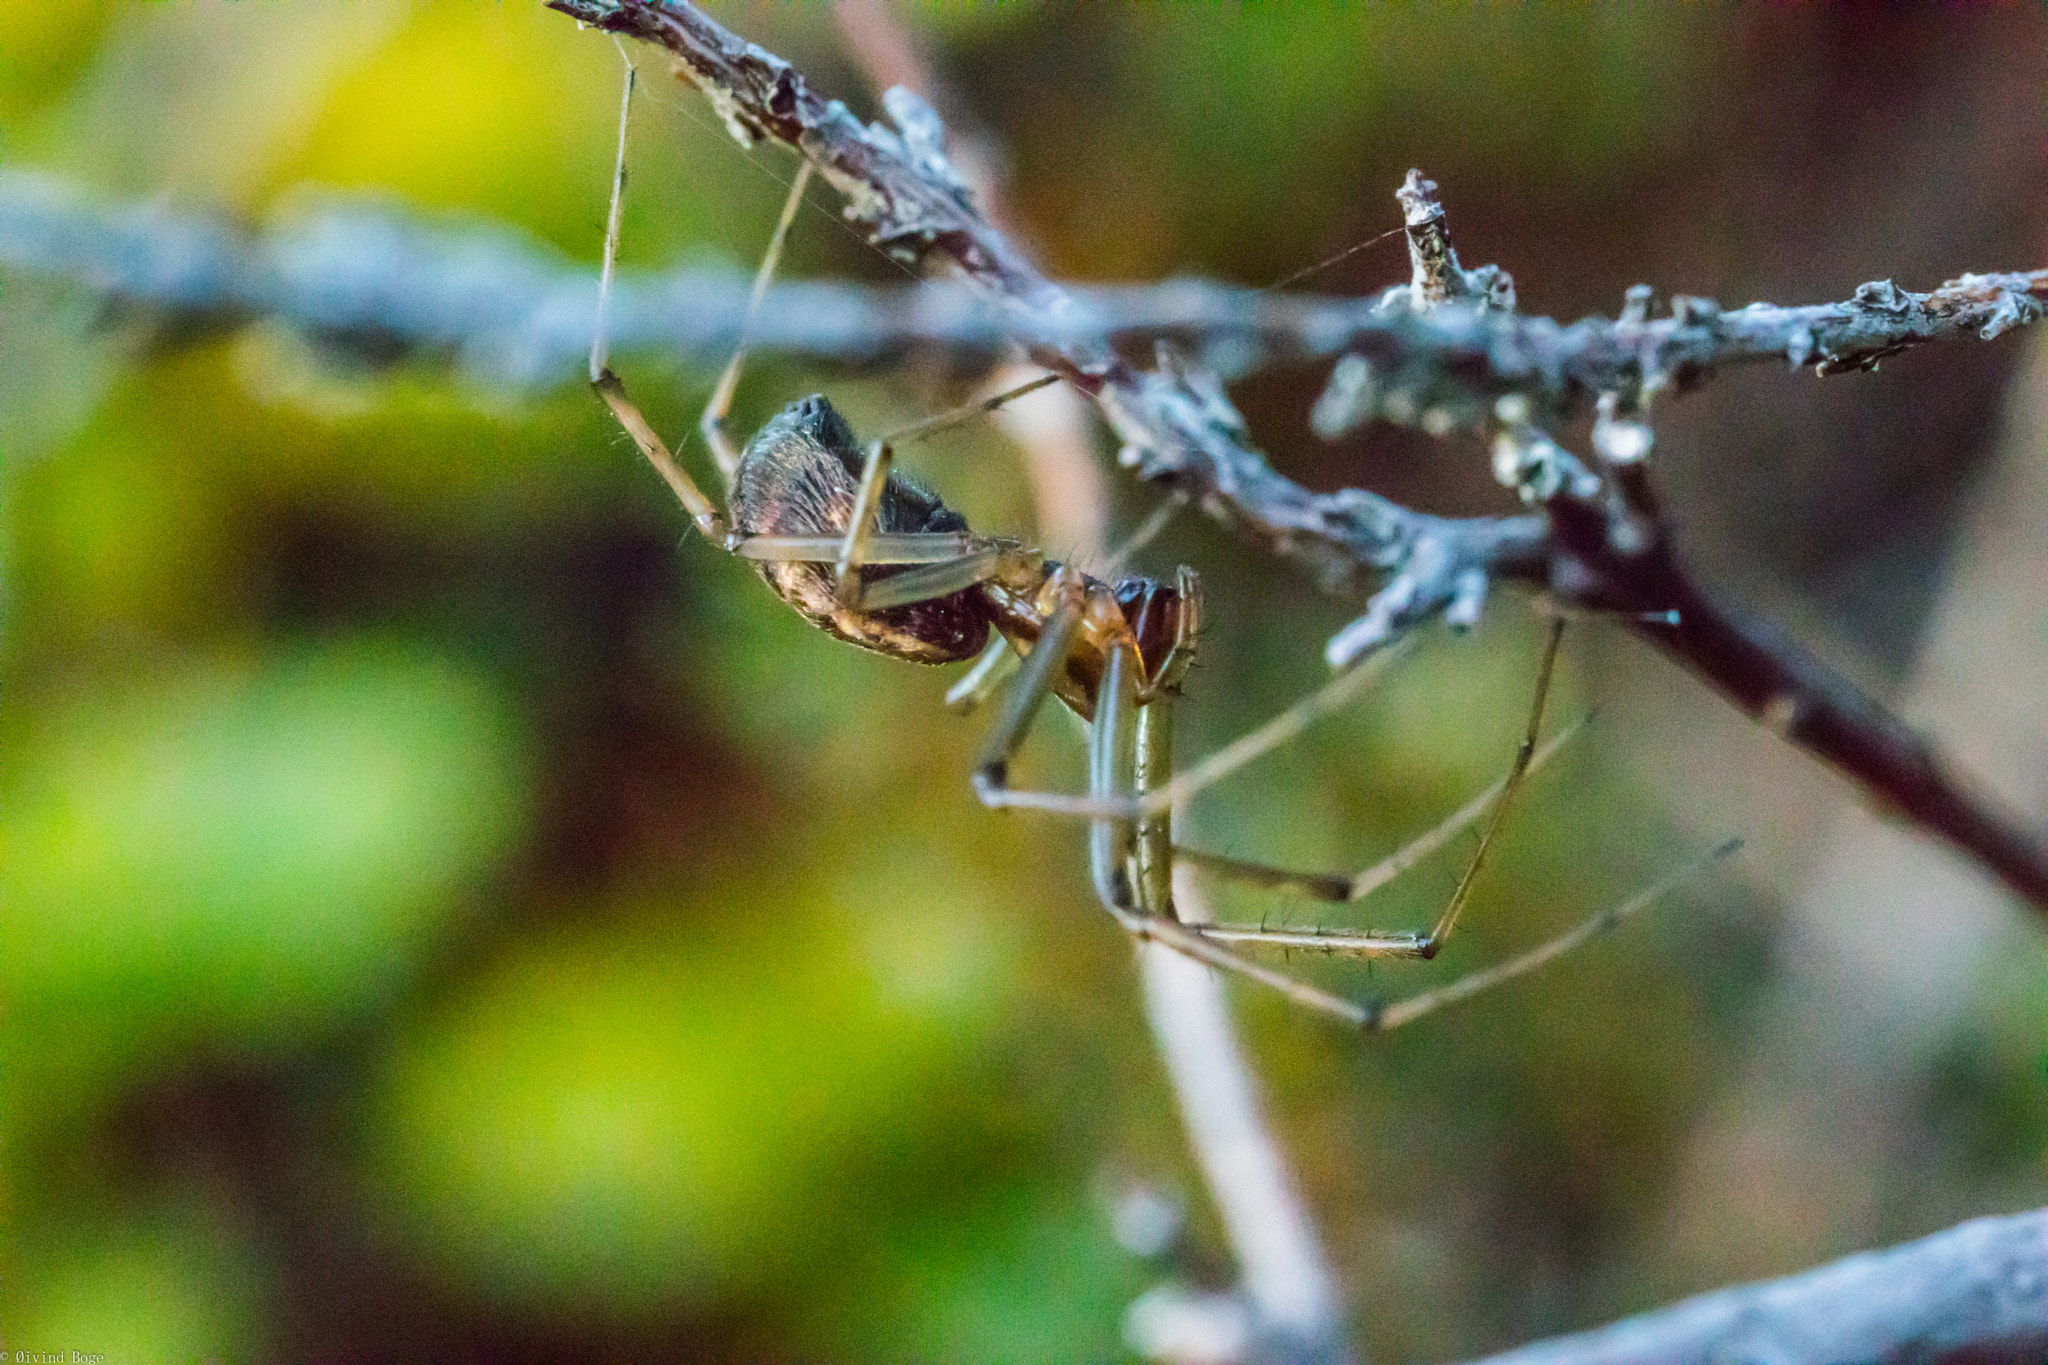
[(1599, 538), (381, 282)]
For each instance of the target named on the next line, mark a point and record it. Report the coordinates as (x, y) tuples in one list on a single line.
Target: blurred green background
[(448, 912)]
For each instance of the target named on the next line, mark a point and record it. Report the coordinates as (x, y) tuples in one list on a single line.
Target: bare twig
[(1600, 540), (386, 281), (1285, 1306), (1286, 1284), (378, 283), (1977, 1292)]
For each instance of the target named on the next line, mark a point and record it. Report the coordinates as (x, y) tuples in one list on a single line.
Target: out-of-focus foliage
[(445, 911)]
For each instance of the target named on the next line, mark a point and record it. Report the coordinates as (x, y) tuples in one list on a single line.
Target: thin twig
[(1287, 1283), (389, 281), (393, 281)]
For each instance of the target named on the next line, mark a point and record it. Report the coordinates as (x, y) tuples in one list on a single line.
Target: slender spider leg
[(1180, 655), (933, 580), (1395, 1013), (1048, 656), (1340, 887), (1331, 696), (916, 547), (600, 332), (1112, 772), (1131, 862), (712, 423), (1146, 531), (1415, 944), (1334, 887), (1152, 840), (848, 585), (1399, 1012), (1525, 753), (995, 664), (703, 512), (967, 412)]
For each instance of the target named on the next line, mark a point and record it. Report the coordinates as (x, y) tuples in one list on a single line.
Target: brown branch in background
[(1975, 1293), (1598, 541)]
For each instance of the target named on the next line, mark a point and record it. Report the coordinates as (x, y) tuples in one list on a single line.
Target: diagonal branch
[(1176, 426), (1600, 541)]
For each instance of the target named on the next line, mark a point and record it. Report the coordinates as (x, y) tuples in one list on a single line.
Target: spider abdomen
[(797, 477)]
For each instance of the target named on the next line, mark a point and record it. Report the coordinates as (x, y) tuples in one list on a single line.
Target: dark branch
[(1176, 425), (1977, 1293)]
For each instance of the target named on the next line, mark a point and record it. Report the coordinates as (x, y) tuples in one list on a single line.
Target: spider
[(871, 556)]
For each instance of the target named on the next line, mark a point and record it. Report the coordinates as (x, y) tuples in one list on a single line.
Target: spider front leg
[(860, 545), (1129, 852), (704, 513), (1498, 798), (1408, 944)]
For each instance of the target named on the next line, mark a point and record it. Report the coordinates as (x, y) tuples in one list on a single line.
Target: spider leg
[(1146, 531), (1316, 886), (1127, 746), (978, 684), (703, 512), (1426, 945), (1380, 1016), (848, 585), (945, 563), (1396, 1013), (600, 332), (1180, 655), (1034, 681), (917, 547), (1340, 887), (1411, 944), (1525, 754), (712, 423), (1331, 696), (1385, 1015)]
